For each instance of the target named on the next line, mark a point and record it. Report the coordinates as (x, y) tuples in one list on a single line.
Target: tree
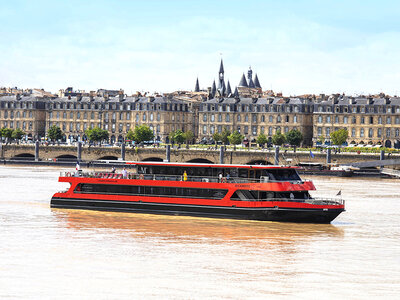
[(55, 133), (6, 133), (179, 136), (224, 136), (17, 134), (278, 138), (294, 137), (262, 139), (340, 136), (216, 137), (188, 135), (321, 139), (142, 133), (235, 138), (96, 134), (130, 135)]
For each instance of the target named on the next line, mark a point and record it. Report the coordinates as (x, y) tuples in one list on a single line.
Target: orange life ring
[(141, 176)]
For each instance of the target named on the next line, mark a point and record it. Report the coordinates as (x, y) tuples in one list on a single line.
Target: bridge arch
[(67, 157), (27, 156), (108, 157), (152, 159), (258, 162), (200, 161)]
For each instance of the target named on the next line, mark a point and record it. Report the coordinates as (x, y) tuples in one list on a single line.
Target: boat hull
[(298, 215)]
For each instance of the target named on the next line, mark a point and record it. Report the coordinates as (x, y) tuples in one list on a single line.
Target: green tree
[(130, 135), (224, 136), (294, 137), (55, 133), (262, 139), (340, 136), (17, 134), (321, 139), (6, 133), (216, 137), (179, 137), (188, 135), (142, 133), (96, 134), (278, 138), (235, 138)]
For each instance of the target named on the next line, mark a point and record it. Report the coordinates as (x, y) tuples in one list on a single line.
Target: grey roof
[(197, 88), (228, 89), (213, 88), (257, 82), (251, 83), (243, 82), (236, 93), (221, 67)]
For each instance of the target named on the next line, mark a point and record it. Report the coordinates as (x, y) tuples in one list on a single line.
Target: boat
[(311, 168), (251, 192)]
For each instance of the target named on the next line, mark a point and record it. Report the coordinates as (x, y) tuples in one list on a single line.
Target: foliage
[(321, 139), (278, 138), (130, 135), (96, 134), (340, 136), (55, 133), (143, 133), (188, 135), (6, 132), (179, 136), (262, 139), (294, 137), (17, 134), (216, 137), (224, 136), (235, 138)]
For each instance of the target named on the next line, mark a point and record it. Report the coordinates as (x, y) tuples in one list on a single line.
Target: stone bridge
[(70, 153)]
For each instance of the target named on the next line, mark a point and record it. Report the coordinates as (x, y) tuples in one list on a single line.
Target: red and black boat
[(253, 192)]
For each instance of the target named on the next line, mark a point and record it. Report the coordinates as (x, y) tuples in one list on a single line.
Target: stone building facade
[(369, 121)]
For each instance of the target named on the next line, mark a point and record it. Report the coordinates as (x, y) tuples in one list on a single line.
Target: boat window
[(151, 191), (251, 195), (281, 174)]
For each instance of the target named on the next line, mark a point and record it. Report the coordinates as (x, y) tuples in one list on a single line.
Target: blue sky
[(295, 47)]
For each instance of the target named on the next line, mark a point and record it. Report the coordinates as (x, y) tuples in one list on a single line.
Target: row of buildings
[(369, 120)]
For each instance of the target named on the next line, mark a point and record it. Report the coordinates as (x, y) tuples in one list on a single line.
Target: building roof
[(243, 82)]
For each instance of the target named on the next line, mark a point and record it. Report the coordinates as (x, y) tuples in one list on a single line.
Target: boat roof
[(203, 165)]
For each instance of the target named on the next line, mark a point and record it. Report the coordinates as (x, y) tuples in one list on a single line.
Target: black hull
[(261, 214)]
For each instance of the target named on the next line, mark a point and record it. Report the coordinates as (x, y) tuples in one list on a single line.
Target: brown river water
[(75, 254)]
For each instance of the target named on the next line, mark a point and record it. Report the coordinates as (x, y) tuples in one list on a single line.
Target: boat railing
[(315, 201), (108, 175)]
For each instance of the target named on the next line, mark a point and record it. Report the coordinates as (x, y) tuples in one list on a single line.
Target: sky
[(295, 47)]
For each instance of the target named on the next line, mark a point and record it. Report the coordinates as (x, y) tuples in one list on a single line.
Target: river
[(62, 254)]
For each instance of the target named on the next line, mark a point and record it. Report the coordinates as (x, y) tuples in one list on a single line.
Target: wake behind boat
[(253, 192)]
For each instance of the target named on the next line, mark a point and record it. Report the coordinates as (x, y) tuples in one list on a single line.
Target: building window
[(388, 120), (262, 129), (397, 132), (270, 131), (362, 132), (227, 118), (238, 118), (254, 118), (271, 119), (212, 118), (152, 117), (294, 119), (345, 119), (219, 128), (379, 120), (254, 130), (204, 118), (246, 129), (362, 120), (246, 118), (379, 132), (370, 133), (287, 119), (219, 118), (327, 131), (353, 132), (319, 131), (336, 119), (144, 117), (319, 119), (387, 132), (212, 129)]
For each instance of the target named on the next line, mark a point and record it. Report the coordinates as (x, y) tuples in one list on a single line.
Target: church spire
[(197, 87), (256, 82), (213, 89), (221, 67), (236, 93), (250, 78), (228, 89), (243, 82)]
